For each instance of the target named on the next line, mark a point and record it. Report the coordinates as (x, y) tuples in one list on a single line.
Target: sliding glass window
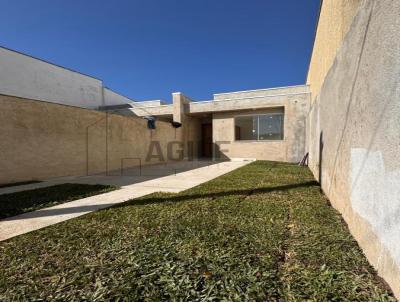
[(261, 127)]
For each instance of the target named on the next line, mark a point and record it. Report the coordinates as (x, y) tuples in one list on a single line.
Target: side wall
[(27, 77), (43, 140), (334, 22), (355, 134), (30, 78), (290, 149), (113, 98)]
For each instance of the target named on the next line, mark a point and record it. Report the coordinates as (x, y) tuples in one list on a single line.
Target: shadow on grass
[(150, 199), (213, 195), (17, 203)]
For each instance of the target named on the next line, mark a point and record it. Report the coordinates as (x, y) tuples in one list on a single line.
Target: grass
[(260, 233), (26, 201)]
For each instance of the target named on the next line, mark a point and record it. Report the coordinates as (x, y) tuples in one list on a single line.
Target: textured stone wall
[(43, 140), (291, 149), (354, 134)]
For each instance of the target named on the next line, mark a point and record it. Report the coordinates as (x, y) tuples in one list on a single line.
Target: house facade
[(264, 124)]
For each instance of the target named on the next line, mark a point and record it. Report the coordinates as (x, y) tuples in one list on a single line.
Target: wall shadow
[(157, 200), (213, 195), (320, 157), (219, 151), (138, 174)]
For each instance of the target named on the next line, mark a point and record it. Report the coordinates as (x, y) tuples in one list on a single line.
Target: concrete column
[(189, 132)]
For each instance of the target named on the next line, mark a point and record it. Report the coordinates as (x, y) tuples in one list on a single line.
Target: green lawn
[(261, 233), (26, 201)]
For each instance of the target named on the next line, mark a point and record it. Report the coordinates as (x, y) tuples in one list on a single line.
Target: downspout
[(103, 101)]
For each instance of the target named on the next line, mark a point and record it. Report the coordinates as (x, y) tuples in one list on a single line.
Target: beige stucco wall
[(192, 137), (334, 22), (190, 131), (224, 140), (43, 140), (356, 115), (290, 149)]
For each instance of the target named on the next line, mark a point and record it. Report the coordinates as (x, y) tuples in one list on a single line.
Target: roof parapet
[(290, 90)]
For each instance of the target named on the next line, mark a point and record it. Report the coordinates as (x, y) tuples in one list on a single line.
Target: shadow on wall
[(320, 157), (219, 152)]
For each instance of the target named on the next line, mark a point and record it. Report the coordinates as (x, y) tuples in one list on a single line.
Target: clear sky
[(147, 49)]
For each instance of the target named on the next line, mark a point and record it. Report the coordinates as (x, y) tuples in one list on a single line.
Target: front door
[(206, 140)]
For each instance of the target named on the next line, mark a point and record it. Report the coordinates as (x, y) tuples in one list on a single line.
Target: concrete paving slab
[(131, 187)]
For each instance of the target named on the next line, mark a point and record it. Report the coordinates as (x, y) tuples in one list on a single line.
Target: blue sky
[(148, 49)]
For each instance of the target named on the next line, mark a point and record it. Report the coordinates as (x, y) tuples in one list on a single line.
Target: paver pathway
[(131, 187)]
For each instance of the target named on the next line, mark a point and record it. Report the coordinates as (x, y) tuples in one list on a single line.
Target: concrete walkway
[(149, 181)]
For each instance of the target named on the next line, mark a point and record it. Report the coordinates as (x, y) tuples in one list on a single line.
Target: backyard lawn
[(261, 233)]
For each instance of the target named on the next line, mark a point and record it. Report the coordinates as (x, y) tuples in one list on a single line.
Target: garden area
[(263, 232)]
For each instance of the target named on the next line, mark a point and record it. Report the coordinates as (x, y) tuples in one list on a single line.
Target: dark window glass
[(270, 127), (259, 127), (246, 128)]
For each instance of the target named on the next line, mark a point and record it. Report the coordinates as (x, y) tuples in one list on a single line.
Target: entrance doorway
[(206, 140)]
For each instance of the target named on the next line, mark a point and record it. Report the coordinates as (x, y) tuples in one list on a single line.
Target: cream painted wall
[(334, 22)]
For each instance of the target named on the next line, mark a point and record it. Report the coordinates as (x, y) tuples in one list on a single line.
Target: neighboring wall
[(355, 134), (113, 98), (334, 22), (43, 140), (290, 149), (27, 77)]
